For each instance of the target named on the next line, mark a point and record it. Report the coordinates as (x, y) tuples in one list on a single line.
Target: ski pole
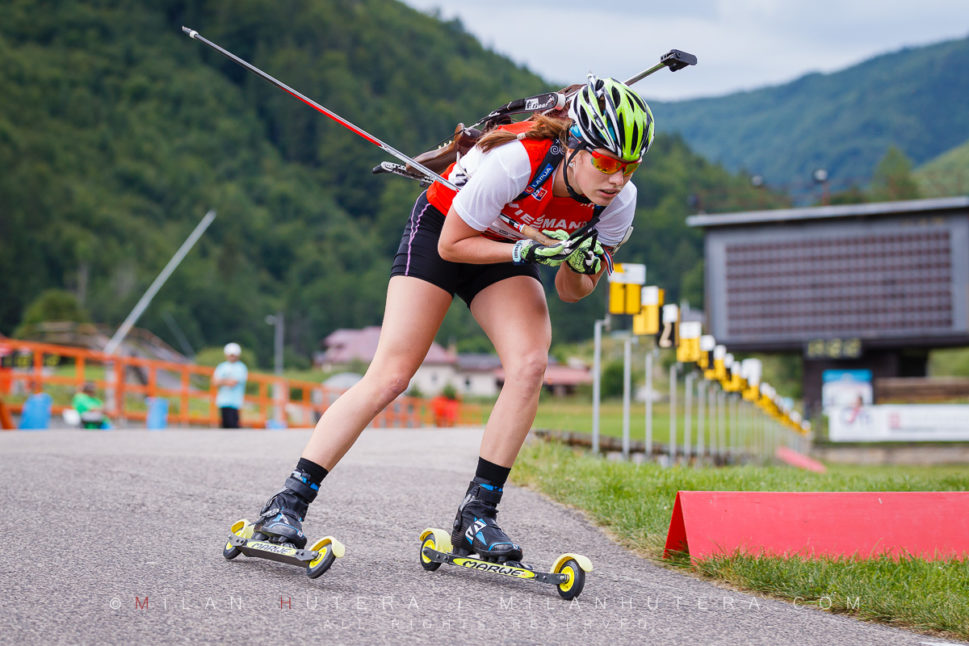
[(674, 59), (319, 108), (524, 229)]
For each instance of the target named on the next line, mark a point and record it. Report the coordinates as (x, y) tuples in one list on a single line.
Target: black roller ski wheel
[(427, 563), (238, 528), (322, 563), (573, 586), (230, 551)]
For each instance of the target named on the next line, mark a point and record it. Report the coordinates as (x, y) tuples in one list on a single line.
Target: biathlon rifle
[(548, 103), (414, 168)]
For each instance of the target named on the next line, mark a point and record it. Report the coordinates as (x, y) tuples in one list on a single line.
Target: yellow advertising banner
[(647, 322), (719, 363), (707, 344), (688, 347), (625, 288)]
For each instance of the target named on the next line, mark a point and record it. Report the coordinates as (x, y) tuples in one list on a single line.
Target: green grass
[(634, 504), (950, 362), (924, 595), (574, 414)]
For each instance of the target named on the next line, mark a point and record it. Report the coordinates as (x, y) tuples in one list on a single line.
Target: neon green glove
[(526, 251), (587, 257)]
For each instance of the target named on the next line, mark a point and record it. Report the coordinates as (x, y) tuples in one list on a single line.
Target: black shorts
[(417, 256)]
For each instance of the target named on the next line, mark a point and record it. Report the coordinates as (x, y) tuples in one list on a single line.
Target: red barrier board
[(799, 460), (929, 525)]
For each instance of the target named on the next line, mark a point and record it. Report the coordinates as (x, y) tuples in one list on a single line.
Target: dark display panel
[(881, 279)]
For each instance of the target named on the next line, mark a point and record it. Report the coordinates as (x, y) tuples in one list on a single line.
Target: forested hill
[(914, 99), (117, 133)]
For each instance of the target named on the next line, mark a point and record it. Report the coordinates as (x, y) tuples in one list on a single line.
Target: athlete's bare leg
[(412, 316), (514, 314)]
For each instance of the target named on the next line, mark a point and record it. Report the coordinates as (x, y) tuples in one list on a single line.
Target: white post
[(732, 442), (649, 404), (701, 395), (688, 416), (596, 383), (722, 424), (626, 387), (672, 414), (279, 326), (145, 299)]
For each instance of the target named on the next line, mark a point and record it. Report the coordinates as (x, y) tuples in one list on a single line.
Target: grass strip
[(634, 504), (575, 415)]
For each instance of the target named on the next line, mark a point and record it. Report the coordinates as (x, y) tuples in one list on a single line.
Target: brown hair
[(543, 128)]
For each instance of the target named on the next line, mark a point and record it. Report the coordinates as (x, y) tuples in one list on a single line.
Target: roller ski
[(476, 542), (243, 539), (278, 534)]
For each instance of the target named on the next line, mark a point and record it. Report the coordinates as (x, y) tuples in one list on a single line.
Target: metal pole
[(688, 416), (672, 440), (732, 441), (179, 335), (722, 423), (145, 299), (626, 387), (279, 326), (744, 427), (743, 440), (649, 404), (765, 438), (278, 343), (757, 436), (714, 421), (596, 384), (768, 438), (701, 394), (752, 430)]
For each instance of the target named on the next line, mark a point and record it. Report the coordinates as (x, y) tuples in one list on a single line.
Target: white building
[(470, 375)]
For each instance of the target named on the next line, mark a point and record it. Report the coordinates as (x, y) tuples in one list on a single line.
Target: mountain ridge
[(843, 121)]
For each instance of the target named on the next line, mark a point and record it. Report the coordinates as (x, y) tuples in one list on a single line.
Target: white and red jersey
[(491, 183)]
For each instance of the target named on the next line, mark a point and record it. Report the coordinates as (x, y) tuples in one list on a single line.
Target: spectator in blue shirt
[(230, 378)]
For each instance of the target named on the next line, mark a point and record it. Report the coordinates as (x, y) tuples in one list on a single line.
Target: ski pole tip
[(191, 32)]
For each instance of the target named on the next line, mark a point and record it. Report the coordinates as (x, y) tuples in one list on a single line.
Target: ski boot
[(278, 534), (477, 543), (475, 529), (281, 519)]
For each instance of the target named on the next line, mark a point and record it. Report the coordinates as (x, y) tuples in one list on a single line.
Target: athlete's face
[(593, 177)]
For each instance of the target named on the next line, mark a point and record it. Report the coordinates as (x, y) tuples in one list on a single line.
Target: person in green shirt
[(89, 407)]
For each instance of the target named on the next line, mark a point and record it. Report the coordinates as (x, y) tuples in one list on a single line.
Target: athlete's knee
[(386, 386), (529, 367)]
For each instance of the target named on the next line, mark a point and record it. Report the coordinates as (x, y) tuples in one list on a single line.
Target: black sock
[(313, 470), (492, 472)]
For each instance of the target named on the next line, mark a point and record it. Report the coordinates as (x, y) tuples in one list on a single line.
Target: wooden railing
[(128, 382)]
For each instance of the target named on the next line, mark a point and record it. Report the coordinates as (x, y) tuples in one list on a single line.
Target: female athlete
[(563, 176)]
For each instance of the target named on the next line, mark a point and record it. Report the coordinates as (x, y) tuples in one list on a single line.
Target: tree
[(52, 305), (893, 178)]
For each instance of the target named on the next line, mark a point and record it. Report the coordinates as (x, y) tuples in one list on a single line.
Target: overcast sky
[(740, 44)]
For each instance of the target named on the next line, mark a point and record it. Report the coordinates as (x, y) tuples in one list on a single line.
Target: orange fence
[(128, 382)]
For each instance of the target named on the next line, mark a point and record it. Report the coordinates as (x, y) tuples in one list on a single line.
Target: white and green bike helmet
[(608, 114)]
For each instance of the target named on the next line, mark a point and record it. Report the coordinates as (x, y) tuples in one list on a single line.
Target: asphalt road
[(116, 537)]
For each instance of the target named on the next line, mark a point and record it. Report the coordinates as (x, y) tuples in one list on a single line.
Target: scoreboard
[(832, 280)]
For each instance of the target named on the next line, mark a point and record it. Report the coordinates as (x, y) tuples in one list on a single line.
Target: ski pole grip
[(532, 233)]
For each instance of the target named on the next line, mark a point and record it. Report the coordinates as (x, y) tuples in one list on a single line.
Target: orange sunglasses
[(609, 165)]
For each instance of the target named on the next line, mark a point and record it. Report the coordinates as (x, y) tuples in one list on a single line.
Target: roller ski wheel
[(575, 577), (434, 540), (567, 575), (317, 559)]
